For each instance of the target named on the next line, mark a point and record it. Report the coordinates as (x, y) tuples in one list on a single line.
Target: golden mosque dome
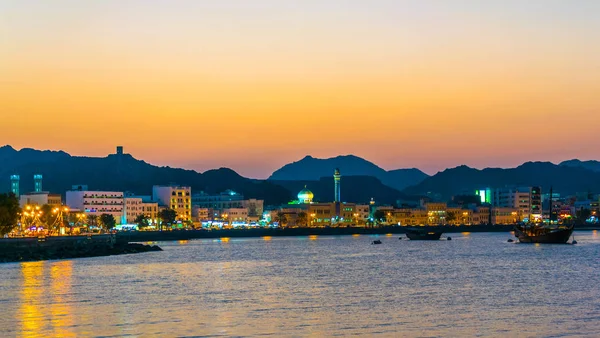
[(305, 196)]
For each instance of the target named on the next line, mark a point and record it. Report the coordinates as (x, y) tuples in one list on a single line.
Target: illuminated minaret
[(37, 181), (14, 184), (336, 180)]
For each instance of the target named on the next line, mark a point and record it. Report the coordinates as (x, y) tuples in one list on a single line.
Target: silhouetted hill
[(123, 173), (460, 180), (590, 165), (359, 189), (310, 168)]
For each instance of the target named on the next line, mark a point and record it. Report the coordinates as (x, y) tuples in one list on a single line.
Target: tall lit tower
[(14, 184), (37, 181), (336, 180)]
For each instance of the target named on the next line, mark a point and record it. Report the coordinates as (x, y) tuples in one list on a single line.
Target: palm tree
[(281, 219), (92, 220), (142, 221), (450, 217), (302, 218)]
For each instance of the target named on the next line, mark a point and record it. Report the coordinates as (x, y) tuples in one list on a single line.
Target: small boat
[(376, 242), (423, 235)]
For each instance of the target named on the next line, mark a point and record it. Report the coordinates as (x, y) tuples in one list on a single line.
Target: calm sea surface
[(475, 285)]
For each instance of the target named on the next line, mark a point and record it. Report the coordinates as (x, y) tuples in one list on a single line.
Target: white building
[(97, 202), (40, 198), (176, 198)]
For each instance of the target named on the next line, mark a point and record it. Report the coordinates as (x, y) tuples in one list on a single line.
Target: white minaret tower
[(336, 180)]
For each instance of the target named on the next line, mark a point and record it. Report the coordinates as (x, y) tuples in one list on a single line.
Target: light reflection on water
[(476, 284)]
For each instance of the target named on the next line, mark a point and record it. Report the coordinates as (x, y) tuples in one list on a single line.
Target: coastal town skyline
[(202, 85)]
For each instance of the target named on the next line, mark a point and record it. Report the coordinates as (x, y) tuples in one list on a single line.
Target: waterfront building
[(406, 216), (40, 198), (234, 216), (201, 214), (436, 213), (320, 214), (174, 197), (504, 216), (224, 200), (97, 202), (229, 199), (527, 199), (135, 206), (254, 207)]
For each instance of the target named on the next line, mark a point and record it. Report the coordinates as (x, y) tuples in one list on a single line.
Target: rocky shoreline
[(33, 249)]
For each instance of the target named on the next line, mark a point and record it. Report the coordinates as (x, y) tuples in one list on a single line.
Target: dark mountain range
[(123, 173), (359, 189), (565, 179), (590, 165), (312, 169)]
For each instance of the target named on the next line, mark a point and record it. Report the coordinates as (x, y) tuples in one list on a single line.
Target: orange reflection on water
[(31, 294), (224, 239), (313, 237), (183, 242), (267, 238), (389, 235), (595, 234), (61, 273), (355, 235), (466, 234)]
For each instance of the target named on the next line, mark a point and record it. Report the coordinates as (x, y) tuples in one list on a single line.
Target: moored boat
[(423, 235), (539, 234), (544, 234)]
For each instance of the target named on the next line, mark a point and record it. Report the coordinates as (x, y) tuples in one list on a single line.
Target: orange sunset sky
[(253, 85)]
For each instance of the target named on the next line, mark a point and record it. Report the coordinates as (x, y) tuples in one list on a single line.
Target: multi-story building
[(40, 198), (229, 199), (201, 214), (504, 215), (407, 216), (528, 201), (224, 200), (436, 213), (176, 198), (135, 206), (235, 216), (97, 202), (254, 207)]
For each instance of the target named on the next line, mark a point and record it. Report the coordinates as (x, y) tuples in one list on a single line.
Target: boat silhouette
[(423, 235)]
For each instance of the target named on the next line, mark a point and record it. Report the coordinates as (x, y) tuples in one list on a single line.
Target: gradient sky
[(252, 85)]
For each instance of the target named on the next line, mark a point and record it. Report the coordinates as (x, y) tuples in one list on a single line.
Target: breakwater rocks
[(34, 249)]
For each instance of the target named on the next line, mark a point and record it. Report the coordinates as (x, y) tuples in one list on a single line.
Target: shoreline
[(175, 235)]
